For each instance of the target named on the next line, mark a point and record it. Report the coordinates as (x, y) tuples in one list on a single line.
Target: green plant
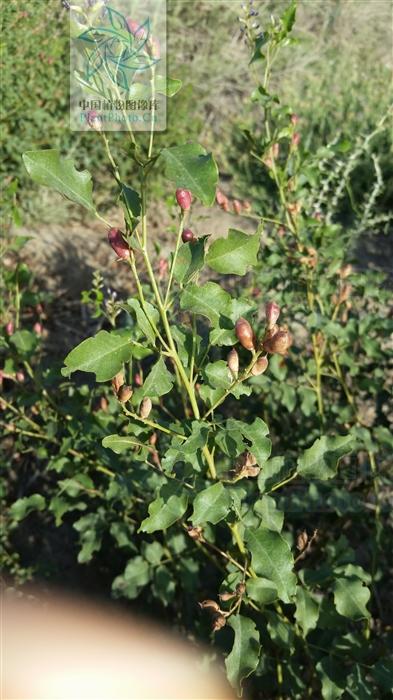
[(197, 380)]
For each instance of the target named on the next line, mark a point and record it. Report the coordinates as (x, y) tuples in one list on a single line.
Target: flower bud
[(260, 366), (37, 328), (209, 605), (124, 394), (240, 589), (272, 314), (237, 207), (154, 48), (245, 334), (187, 236), (9, 328), (117, 382), (233, 362), (194, 532), (145, 408), (294, 119), (20, 376), (93, 120), (246, 205), (302, 540), (184, 199), (117, 242), (278, 343), (219, 623)]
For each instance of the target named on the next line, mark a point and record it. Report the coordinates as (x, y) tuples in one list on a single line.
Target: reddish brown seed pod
[(117, 381), (220, 198), (302, 541), (187, 236), (145, 408), (219, 623), (245, 334), (279, 343), (209, 605), (233, 362), (124, 394), (184, 199), (194, 532), (260, 366), (295, 140), (272, 314), (119, 245)]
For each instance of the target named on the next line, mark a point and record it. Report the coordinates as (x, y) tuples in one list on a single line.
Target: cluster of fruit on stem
[(275, 340), (124, 392)]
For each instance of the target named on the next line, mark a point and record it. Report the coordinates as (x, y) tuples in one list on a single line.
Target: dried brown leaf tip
[(245, 466)]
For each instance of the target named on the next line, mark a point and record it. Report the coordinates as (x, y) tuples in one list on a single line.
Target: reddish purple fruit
[(184, 199), (245, 334), (187, 236), (119, 245)]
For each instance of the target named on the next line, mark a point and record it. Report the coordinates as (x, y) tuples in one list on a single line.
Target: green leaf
[(208, 300), (307, 610), (190, 260), (332, 677), (261, 590), (211, 505), (272, 518), (192, 168), (358, 687), (234, 255), (158, 382), (256, 434), (24, 341), (244, 656), (120, 443), (321, 459), (48, 168), (188, 450), (104, 355), (351, 597), (143, 318), (280, 631), (162, 514), (136, 575), (131, 201), (272, 559), (91, 529), (24, 506)]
